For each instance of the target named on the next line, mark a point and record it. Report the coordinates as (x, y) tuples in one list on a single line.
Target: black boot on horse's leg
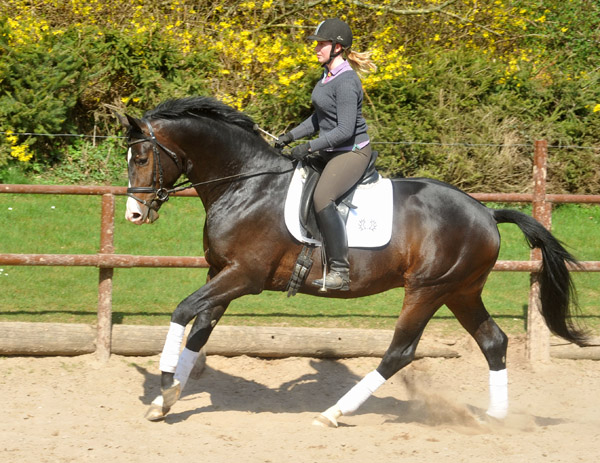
[(335, 241)]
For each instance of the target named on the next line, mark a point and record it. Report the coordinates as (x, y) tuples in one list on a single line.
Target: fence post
[(105, 284), (538, 335)]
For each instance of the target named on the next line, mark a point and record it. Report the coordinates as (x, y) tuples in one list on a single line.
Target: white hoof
[(324, 422), (497, 413), (156, 411), (328, 419), (162, 404), (171, 395)]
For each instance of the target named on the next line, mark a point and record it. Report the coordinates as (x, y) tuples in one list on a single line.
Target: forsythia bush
[(473, 81)]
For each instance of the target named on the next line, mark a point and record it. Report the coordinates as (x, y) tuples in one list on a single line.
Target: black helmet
[(333, 30)]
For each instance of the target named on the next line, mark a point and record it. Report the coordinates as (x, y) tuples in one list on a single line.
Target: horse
[(443, 246)]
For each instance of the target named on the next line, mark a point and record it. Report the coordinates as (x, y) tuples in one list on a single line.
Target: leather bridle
[(161, 194)]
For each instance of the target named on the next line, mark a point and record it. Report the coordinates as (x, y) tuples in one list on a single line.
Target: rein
[(161, 194)]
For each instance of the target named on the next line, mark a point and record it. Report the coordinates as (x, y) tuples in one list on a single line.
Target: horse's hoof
[(163, 403), (329, 417), (171, 395), (497, 414), (324, 422), (156, 412)]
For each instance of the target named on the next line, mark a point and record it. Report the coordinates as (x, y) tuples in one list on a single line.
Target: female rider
[(342, 142)]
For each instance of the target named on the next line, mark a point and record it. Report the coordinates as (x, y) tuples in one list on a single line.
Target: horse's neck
[(227, 165)]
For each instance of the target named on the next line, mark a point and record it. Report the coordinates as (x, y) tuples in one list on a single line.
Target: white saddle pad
[(368, 226)]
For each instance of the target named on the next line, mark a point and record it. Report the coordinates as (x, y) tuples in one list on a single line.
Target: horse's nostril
[(136, 216)]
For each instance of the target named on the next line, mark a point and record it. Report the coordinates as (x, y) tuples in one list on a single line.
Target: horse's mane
[(201, 106)]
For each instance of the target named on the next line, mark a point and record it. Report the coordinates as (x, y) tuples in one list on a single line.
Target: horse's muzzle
[(140, 214)]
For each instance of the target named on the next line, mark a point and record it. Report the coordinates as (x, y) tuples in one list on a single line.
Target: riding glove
[(284, 140), (300, 152)]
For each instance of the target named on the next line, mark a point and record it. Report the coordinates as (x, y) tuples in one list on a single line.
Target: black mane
[(199, 106)]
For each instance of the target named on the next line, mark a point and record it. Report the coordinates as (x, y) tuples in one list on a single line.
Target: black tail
[(557, 291)]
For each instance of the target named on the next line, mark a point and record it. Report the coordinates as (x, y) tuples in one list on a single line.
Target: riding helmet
[(333, 30)]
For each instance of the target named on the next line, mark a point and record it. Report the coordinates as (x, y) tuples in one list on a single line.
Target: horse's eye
[(140, 160)]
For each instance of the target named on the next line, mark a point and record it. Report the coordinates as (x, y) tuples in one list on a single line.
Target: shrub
[(465, 90), (40, 85)]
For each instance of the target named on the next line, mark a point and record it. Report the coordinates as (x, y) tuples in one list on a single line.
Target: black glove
[(284, 140), (301, 151)]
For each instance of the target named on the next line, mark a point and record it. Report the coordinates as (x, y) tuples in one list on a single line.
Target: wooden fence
[(538, 338)]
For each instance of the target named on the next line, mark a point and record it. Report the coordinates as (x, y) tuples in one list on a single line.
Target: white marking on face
[(134, 212)]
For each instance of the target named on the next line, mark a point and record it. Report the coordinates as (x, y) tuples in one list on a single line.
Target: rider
[(342, 143)]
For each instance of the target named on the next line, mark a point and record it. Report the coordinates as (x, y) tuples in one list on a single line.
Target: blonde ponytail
[(360, 62)]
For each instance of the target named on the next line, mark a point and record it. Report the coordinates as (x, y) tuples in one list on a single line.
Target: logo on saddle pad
[(369, 223)]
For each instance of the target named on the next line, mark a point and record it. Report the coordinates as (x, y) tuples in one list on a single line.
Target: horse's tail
[(557, 291)]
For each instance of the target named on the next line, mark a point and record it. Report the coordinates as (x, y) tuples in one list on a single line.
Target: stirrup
[(335, 281)]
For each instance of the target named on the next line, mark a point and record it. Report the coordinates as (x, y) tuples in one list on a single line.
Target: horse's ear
[(130, 123)]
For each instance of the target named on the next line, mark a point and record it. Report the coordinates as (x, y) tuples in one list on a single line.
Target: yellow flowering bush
[(19, 151), (253, 55), (260, 45)]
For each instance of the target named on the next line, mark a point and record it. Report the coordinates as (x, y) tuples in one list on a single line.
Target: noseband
[(161, 195)]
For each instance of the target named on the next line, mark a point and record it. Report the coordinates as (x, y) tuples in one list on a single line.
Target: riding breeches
[(341, 173)]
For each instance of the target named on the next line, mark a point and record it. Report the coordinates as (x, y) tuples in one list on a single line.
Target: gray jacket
[(338, 114)]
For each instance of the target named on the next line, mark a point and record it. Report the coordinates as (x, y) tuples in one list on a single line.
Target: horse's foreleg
[(176, 371), (170, 389), (207, 305), (199, 334)]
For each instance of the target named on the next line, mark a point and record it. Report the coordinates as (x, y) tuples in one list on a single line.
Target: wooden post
[(105, 284), (538, 335)]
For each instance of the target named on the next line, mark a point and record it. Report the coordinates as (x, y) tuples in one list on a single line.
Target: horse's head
[(153, 168)]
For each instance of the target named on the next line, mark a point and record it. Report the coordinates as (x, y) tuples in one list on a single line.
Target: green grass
[(71, 225)]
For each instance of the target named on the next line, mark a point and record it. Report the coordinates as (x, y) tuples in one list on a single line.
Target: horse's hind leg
[(417, 310), (471, 313)]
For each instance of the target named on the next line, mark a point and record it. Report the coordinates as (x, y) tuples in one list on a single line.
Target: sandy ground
[(62, 409)]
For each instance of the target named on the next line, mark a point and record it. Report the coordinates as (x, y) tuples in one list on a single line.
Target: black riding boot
[(335, 241)]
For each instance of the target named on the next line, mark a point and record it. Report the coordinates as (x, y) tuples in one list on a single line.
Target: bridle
[(161, 194)]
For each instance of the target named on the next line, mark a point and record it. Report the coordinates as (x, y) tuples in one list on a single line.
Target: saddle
[(314, 167)]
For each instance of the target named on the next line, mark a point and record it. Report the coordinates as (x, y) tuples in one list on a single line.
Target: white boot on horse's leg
[(353, 399), (498, 407), (163, 403), (185, 365), (169, 357), (169, 361)]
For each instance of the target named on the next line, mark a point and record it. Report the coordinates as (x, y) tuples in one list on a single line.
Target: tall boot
[(335, 240)]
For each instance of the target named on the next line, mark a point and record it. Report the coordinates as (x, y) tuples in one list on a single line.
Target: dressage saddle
[(314, 167)]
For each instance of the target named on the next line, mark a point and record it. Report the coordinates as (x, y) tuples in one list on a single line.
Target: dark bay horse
[(443, 247)]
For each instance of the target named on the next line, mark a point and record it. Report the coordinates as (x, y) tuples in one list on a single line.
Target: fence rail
[(106, 260)]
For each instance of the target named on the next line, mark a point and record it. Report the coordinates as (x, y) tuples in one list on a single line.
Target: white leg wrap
[(356, 396), (498, 394), (187, 360), (170, 353)]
